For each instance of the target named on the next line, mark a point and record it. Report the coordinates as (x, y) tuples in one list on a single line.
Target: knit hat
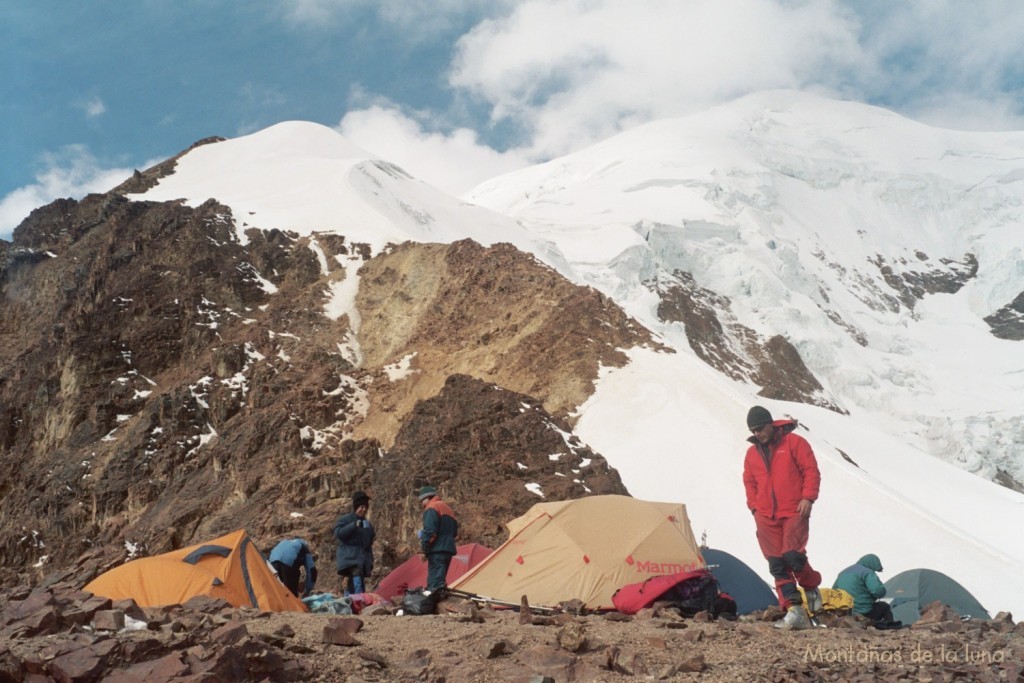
[(758, 417), (360, 498), (426, 492)]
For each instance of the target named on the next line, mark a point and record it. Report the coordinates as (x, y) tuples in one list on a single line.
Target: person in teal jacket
[(437, 537), (861, 581)]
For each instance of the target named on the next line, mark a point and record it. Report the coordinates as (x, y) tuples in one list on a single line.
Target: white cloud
[(968, 111), (71, 172), (312, 12), (565, 74), (624, 63), (93, 107), (455, 161), (950, 63), (414, 19)]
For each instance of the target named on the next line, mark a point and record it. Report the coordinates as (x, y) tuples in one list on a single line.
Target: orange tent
[(229, 567), (585, 549)]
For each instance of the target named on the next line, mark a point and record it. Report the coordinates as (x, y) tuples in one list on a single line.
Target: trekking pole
[(493, 601)]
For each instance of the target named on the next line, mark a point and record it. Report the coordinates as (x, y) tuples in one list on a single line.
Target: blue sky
[(457, 91)]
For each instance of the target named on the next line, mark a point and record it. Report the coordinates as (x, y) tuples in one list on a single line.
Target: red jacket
[(777, 482)]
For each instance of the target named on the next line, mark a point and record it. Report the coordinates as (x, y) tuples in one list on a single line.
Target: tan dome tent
[(229, 567), (585, 549)]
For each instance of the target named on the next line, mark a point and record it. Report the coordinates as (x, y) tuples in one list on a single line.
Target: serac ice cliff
[(156, 389)]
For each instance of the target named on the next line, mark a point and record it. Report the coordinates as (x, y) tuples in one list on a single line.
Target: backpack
[(417, 601), (694, 594)]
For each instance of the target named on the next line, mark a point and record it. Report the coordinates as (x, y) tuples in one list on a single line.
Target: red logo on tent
[(586, 559), (629, 560), (520, 559)]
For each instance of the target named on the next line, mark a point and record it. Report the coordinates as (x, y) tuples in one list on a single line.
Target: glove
[(421, 534)]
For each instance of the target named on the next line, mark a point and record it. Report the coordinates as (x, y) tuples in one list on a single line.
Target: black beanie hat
[(360, 498), (758, 416)]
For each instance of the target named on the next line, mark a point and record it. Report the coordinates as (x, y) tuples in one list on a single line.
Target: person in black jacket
[(355, 534)]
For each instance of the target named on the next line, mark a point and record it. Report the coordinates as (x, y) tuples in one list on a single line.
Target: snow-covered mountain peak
[(880, 247), (305, 178)]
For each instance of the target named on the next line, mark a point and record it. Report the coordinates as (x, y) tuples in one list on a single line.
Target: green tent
[(736, 578), (914, 589)]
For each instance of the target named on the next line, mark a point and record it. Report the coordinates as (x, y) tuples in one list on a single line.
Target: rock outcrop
[(163, 380)]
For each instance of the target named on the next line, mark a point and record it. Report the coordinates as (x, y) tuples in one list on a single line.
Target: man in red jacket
[(780, 475)]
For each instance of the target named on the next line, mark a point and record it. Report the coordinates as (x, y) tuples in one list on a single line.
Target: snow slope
[(777, 201), (305, 177)]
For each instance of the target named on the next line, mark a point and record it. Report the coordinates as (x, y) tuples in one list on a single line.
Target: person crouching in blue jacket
[(287, 558), (355, 534)]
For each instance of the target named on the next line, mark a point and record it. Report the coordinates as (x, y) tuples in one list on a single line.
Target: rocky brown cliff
[(162, 382)]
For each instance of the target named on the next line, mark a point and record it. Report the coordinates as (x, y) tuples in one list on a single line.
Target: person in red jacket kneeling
[(781, 478)]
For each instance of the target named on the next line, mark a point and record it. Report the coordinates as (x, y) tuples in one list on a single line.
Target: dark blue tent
[(749, 590), (914, 589)]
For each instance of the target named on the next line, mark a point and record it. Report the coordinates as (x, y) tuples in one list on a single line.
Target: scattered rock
[(498, 648), (469, 612), (342, 631), (936, 613), (1003, 622), (657, 643), (417, 659), (694, 664), (108, 620), (616, 616), (626, 662), (206, 604), (165, 668), (369, 656), (525, 613), (84, 664), (379, 609), (675, 624), (549, 661), (574, 607), (572, 637), (230, 633), (130, 609), (83, 612), (285, 631)]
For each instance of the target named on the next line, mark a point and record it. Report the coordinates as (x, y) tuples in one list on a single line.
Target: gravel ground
[(453, 647)]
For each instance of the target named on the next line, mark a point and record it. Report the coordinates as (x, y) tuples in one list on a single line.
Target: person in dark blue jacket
[(287, 558), (355, 534)]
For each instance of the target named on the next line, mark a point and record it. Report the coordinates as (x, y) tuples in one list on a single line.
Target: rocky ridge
[(162, 382), (55, 632)]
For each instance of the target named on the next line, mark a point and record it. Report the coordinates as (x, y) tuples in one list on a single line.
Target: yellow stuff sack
[(832, 599)]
